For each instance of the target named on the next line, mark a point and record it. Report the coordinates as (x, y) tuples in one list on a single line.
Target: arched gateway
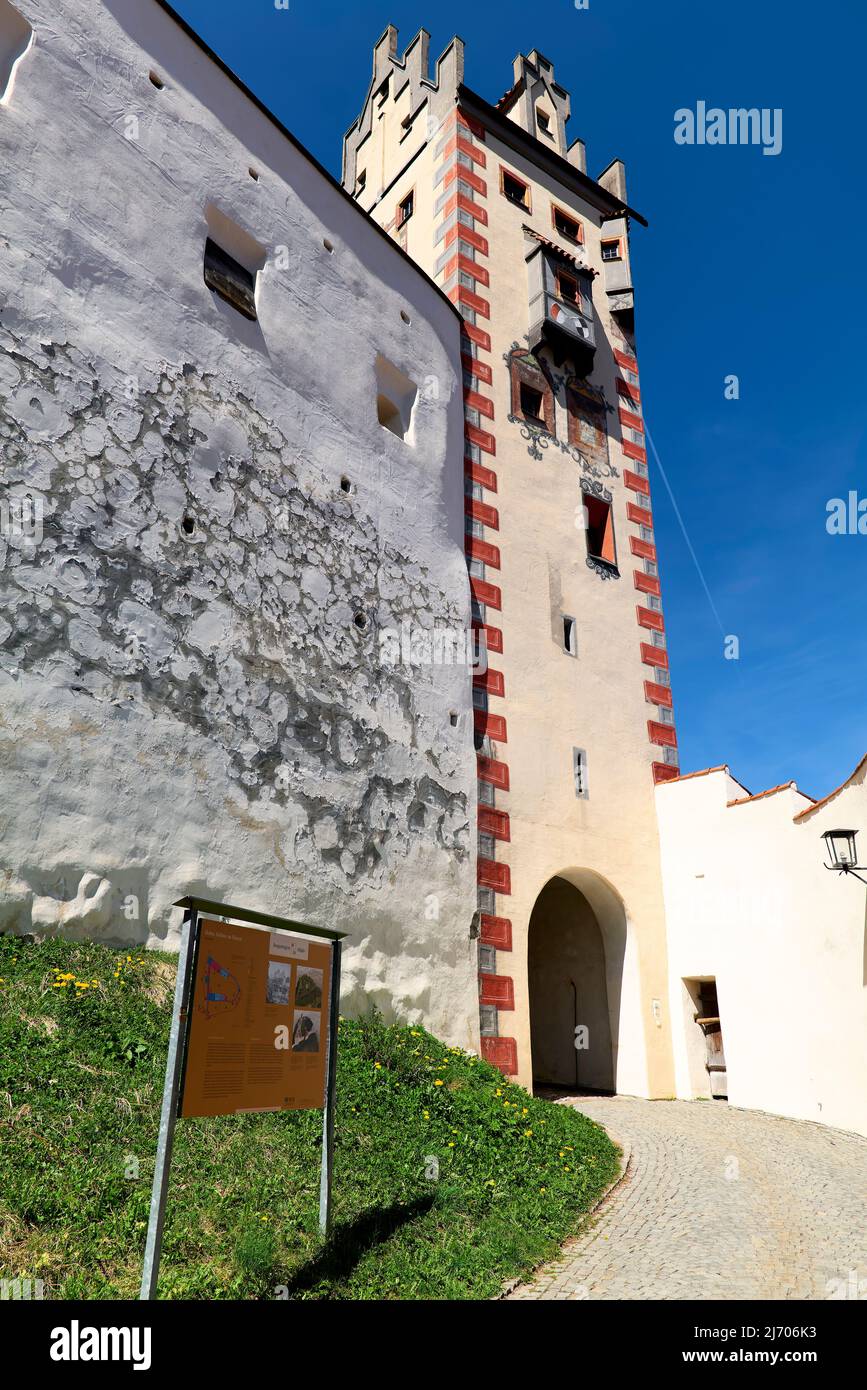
[(577, 951)]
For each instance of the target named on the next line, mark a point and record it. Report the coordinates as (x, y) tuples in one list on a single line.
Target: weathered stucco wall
[(192, 691)]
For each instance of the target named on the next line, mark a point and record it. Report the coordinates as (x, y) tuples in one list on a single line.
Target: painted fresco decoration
[(590, 450)]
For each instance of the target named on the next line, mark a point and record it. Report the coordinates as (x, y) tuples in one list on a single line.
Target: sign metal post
[(180, 1013), (330, 1083), (183, 1044)]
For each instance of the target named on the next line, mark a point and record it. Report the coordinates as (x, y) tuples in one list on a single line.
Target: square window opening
[(515, 190), (531, 403), (232, 262), (396, 396)]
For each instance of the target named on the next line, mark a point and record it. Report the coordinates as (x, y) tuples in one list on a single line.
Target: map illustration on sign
[(220, 989)]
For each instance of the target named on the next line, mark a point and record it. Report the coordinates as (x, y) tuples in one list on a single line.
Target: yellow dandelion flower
[(438, 1082), (528, 1134)]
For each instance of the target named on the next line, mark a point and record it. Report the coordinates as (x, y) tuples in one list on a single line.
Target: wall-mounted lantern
[(840, 845)]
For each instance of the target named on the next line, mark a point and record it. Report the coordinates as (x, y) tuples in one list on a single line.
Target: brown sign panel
[(258, 1030)]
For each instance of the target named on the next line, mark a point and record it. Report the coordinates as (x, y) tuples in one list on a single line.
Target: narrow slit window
[(579, 771), (570, 635), (600, 529), (405, 209), (229, 279), (543, 120), (361, 180), (396, 396)]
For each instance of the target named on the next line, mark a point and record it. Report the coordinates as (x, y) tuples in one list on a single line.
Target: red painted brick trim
[(467, 234), (468, 176), (477, 336), (476, 211), (479, 474), (501, 1053), (476, 155), (640, 515), (491, 874), (472, 124), (642, 548), (490, 680), (662, 733), (482, 404), (495, 931), (494, 725), (665, 772), (633, 451), (494, 822), (654, 656), (482, 550), (634, 422), (626, 388), (657, 694), (488, 516), (485, 441), (460, 295), (493, 636), (636, 483), (489, 770), (483, 592), (647, 583), (480, 370), (625, 360), (648, 618), (478, 272), (497, 989)]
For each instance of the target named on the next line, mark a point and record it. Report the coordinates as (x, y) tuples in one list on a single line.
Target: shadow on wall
[(575, 969)]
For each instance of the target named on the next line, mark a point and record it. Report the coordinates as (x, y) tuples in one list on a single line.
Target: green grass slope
[(447, 1179)]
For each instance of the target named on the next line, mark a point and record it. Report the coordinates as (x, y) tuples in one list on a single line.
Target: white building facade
[(756, 922)]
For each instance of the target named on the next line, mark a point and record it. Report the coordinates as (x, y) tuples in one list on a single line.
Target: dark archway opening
[(568, 993)]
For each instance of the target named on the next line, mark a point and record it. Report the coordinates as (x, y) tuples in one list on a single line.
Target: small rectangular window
[(404, 209), (650, 567), (480, 698), (515, 190), (489, 1026), (579, 771), (229, 279), (600, 528), (611, 250), (476, 568), (568, 288), (654, 602), (478, 611), (666, 716), (647, 534), (661, 675), (487, 903), (543, 120), (474, 489), (670, 756), (531, 402), (570, 635), (566, 226), (361, 180), (473, 527), (658, 639)]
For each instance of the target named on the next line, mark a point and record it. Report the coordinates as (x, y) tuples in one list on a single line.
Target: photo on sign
[(305, 1032), (279, 982), (308, 988)]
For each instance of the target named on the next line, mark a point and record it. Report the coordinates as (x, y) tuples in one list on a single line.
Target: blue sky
[(750, 266)]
